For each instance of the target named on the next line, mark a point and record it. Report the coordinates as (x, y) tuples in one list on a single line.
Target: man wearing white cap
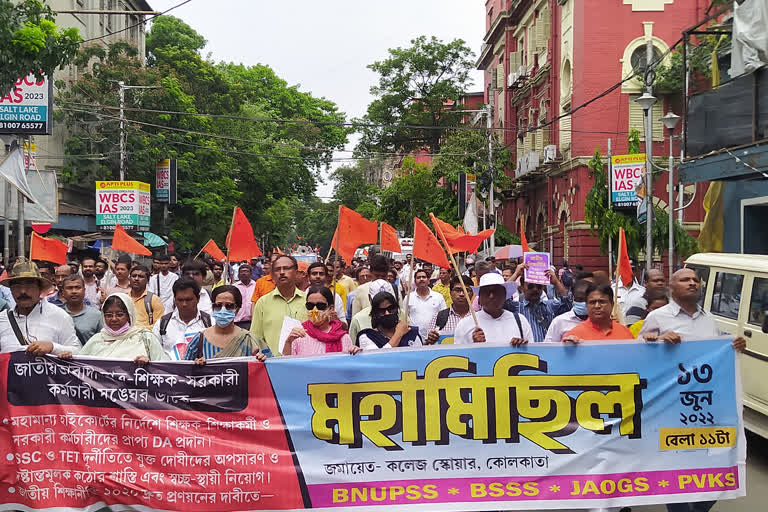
[(496, 325)]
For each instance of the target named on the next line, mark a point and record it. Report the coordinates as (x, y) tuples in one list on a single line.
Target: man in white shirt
[(161, 284), (561, 324), (496, 325), (681, 320), (423, 303), (34, 324), (175, 329), (629, 296), (196, 271), (92, 284)]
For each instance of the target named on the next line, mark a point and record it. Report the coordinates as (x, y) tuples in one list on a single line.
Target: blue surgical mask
[(580, 308), (223, 317)]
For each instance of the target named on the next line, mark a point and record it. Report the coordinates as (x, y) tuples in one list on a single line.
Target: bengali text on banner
[(445, 428)]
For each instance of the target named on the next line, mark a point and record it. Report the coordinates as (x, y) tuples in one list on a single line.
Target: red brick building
[(543, 58)]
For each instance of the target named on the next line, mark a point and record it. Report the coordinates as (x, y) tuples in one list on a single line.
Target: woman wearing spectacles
[(121, 338), (388, 330), (323, 333), (224, 338)]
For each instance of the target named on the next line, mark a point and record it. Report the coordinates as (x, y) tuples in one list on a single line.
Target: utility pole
[(610, 238), (123, 88), (21, 250), (648, 107), (491, 206), (122, 129)]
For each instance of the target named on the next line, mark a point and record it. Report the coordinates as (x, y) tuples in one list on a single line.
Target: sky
[(324, 46)]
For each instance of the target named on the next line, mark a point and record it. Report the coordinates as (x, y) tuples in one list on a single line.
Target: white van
[(735, 290)]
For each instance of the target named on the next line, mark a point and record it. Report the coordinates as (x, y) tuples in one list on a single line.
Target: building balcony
[(732, 115)]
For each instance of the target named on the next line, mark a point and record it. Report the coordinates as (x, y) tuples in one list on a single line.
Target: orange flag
[(352, 231), (624, 267), (389, 241), (47, 249), (456, 239), (122, 241), (213, 249), (426, 246), (240, 240), (523, 241)]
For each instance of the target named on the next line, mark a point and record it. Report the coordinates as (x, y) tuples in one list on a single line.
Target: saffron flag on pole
[(426, 246), (47, 249), (213, 249), (523, 241), (457, 240), (122, 241), (389, 241), (241, 243), (352, 231), (624, 267)]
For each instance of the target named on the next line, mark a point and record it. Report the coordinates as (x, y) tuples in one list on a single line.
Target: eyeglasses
[(118, 316), (321, 306), (229, 307), (391, 309)]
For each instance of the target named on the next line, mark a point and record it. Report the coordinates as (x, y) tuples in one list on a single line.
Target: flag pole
[(615, 311), (455, 267), (227, 277), (410, 285), (201, 250)]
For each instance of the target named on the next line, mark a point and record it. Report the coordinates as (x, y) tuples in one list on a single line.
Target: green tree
[(30, 42), (417, 86), (244, 156), (605, 221), (416, 192), (467, 151), (352, 188)]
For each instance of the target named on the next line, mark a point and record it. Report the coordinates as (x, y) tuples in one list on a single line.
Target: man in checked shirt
[(444, 322)]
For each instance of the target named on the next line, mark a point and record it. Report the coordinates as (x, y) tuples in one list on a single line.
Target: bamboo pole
[(615, 311), (410, 286), (455, 267)]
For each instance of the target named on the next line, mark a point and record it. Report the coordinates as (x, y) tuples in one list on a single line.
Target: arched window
[(634, 59)]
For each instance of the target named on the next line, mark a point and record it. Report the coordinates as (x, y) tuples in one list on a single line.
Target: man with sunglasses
[(285, 300), (318, 276)]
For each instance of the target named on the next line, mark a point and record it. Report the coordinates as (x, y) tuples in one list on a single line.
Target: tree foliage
[(417, 86), (466, 151), (249, 158), (30, 42), (605, 221)]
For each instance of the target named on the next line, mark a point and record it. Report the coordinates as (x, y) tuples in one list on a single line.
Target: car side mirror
[(765, 323)]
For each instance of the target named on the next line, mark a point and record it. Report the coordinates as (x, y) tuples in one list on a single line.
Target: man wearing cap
[(495, 324), (35, 323)]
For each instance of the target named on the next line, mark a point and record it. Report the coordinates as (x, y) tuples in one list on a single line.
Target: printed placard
[(538, 264)]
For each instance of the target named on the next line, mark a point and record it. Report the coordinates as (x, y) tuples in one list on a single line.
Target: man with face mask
[(561, 324)]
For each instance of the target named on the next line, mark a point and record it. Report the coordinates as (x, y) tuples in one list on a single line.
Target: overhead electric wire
[(142, 22)]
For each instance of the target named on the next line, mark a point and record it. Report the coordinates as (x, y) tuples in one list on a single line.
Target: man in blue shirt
[(534, 304)]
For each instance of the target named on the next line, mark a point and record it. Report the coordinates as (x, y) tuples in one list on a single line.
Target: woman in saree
[(121, 338), (224, 338)]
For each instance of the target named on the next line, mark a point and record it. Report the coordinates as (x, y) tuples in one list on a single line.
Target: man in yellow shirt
[(148, 310), (344, 280), (443, 285), (285, 300)]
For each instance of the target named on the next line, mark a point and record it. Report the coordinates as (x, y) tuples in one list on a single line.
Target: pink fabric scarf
[(332, 338)]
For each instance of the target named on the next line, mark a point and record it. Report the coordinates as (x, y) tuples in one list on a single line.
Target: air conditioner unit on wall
[(550, 154)]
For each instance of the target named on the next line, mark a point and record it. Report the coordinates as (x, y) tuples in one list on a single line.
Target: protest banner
[(122, 202), (444, 428), (538, 264)]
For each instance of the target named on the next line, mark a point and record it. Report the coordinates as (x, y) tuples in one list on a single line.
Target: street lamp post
[(670, 120), (647, 101)]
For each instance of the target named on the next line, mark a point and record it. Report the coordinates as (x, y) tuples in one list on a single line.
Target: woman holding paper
[(224, 338), (323, 333)]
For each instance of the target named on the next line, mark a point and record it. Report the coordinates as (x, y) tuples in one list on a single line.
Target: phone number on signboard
[(20, 126)]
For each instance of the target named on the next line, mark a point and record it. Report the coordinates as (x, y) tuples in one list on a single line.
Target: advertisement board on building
[(627, 172), (163, 180), (27, 109), (122, 202)]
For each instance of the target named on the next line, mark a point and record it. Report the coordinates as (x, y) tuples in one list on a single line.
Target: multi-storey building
[(75, 206), (542, 60)]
